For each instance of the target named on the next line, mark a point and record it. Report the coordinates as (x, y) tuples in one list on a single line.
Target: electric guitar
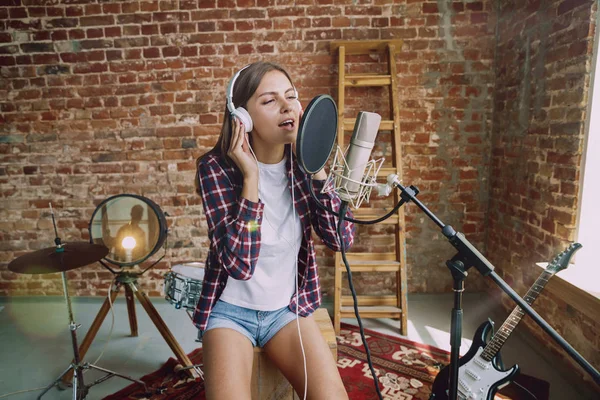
[(479, 374)]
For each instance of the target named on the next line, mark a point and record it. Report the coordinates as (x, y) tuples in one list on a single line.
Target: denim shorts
[(258, 326)]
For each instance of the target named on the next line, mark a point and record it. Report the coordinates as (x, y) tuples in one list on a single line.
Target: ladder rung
[(365, 46), (369, 214), (367, 80), (372, 267), (371, 256), (372, 312), (385, 125), (371, 300)]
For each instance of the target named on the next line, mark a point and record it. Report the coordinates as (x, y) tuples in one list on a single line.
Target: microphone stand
[(468, 256)]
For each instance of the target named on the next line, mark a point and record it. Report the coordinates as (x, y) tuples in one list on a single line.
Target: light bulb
[(128, 243)]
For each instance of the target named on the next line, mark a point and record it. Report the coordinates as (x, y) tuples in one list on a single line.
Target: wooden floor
[(35, 344)]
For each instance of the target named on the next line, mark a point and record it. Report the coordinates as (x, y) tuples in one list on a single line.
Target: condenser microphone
[(359, 152)]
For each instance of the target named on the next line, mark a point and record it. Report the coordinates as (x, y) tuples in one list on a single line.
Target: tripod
[(129, 281), (80, 389)]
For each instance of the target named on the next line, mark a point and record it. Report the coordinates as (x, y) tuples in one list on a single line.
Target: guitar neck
[(500, 337)]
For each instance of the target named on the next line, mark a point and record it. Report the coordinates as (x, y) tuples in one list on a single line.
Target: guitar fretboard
[(500, 337)]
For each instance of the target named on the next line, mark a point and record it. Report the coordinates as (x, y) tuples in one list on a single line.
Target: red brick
[(430, 8), (97, 20), (568, 5)]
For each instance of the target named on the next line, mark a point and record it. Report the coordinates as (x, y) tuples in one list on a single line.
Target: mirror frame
[(162, 227)]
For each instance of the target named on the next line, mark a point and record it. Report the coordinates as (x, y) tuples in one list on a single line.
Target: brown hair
[(245, 86)]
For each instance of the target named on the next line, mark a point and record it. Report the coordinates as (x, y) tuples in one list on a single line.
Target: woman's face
[(274, 110)]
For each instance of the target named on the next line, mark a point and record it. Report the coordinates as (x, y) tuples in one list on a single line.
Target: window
[(585, 274)]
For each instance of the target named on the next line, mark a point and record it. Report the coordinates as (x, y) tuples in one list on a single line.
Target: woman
[(261, 249)]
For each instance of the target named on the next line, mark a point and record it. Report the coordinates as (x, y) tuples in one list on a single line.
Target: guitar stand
[(129, 281), (467, 257)]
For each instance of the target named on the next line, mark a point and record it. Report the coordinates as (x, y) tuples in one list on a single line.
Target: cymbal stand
[(128, 280), (80, 389)]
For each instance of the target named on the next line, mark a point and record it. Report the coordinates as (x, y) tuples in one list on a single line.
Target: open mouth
[(287, 124)]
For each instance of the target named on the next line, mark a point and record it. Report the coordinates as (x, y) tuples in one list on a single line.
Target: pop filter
[(316, 133)]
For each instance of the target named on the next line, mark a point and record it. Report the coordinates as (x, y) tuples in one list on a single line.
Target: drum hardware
[(139, 218), (183, 285), (61, 258)]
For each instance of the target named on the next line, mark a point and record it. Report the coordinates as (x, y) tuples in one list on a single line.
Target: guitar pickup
[(472, 375)]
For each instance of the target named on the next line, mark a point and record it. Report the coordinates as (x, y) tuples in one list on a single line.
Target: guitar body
[(478, 379)]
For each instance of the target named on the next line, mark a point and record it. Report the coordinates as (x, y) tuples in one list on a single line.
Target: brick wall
[(542, 88), (102, 98)]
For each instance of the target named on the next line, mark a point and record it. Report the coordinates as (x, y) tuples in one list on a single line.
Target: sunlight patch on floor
[(442, 340)]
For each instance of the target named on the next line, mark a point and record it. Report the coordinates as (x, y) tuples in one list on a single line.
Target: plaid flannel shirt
[(234, 232)]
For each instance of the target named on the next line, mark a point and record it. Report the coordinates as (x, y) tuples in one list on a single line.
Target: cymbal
[(52, 259)]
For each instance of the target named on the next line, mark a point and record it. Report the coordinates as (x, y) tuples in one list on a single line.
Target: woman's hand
[(239, 151)]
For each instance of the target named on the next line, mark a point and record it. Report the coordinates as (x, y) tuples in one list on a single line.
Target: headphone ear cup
[(241, 114)]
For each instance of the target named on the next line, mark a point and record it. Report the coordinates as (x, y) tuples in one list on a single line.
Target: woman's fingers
[(239, 149), (241, 132), (236, 137), (245, 143)]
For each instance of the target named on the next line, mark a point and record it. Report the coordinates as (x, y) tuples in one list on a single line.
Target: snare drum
[(184, 284)]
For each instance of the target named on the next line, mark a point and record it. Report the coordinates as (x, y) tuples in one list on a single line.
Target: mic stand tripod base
[(80, 389)]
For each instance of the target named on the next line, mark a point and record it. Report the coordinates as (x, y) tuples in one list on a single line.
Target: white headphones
[(240, 112)]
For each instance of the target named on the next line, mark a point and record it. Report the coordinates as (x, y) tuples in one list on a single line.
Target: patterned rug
[(405, 371)]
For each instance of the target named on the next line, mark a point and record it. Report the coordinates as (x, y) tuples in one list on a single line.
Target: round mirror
[(132, 227)]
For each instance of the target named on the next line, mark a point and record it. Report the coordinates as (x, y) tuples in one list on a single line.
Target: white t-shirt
[(273, 283)]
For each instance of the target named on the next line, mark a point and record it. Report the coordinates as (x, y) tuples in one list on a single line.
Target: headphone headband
[(229, 94)]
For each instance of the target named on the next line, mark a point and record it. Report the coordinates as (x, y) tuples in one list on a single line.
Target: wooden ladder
[(389, 306)]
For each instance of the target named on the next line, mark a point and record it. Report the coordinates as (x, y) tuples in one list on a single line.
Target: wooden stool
[(268, 383)]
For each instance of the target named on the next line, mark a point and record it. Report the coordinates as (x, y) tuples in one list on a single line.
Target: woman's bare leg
[(324, 381), (227, 360)]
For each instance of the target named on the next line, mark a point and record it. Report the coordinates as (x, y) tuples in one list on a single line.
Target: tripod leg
[(164, 330), (112, 373), (80, 390), (131, 311), (50, 386), (94, 328), (75, 383)]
